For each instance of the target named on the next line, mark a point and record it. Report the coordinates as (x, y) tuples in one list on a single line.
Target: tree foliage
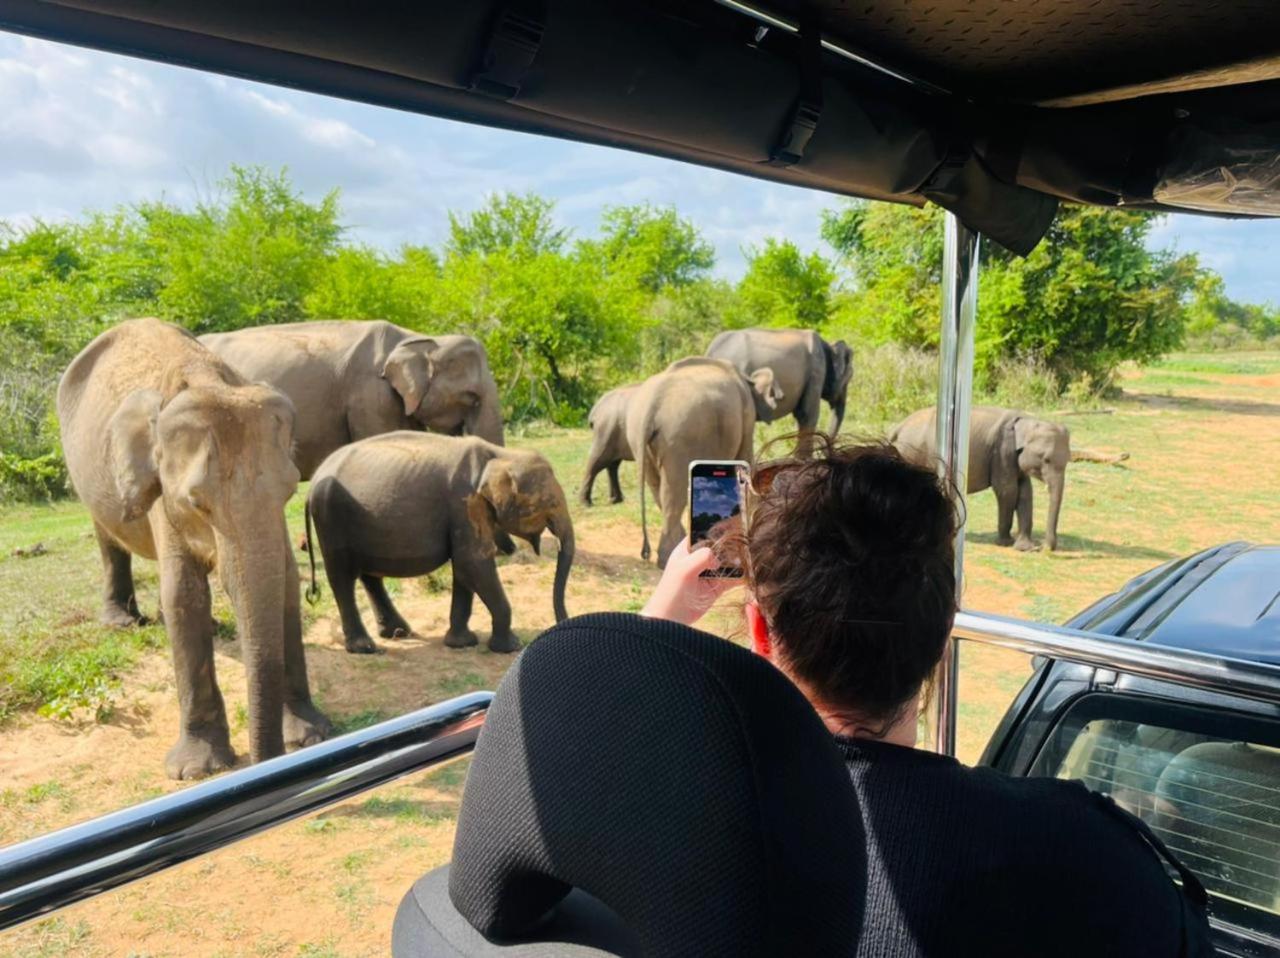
[(1089, 297), (654, 246), (784, 287), (563, 317), (518, 226)]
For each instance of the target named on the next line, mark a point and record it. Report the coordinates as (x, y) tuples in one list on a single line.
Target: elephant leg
[(204, 743), (484, 580), (1024, 541), (806, 415), (615, 487), (674, 499), (1006, 500), (304, 724), (391, 625), (342, 581), (460, 635), (119, 603)]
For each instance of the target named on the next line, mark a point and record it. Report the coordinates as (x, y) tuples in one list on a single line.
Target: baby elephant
[(404, 503)]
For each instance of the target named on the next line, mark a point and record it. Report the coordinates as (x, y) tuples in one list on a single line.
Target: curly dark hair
[(850, 557)]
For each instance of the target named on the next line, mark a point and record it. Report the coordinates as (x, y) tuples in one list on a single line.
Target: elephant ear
[(1022, 429), (495, 496), (841, 370), (132, 438), (766, 385), (409, 369)]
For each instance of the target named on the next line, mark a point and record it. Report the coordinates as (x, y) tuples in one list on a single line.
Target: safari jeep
[(1165, 695)]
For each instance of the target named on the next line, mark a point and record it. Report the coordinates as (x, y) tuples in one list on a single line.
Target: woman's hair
[(851, 560)]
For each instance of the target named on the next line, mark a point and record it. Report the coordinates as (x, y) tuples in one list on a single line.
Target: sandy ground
[(329, 885)]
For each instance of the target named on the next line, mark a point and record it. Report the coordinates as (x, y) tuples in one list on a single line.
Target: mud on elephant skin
[(350, 380), (697, 408), (807, 369), (404, 503), (178, 457), (1007, 449)]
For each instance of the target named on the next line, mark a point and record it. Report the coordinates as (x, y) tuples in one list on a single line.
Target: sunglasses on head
[(763, 476)]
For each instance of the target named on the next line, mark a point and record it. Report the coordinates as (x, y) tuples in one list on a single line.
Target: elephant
[(697, 408), (807, 369), (178, 458), (1006, 448), (353, 379), (609, 446), (405, 503)]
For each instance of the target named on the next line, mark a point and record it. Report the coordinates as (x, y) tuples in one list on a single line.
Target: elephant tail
[(642, 455), (313, 590)]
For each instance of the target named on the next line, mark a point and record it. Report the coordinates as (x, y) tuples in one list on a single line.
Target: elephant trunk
[(562, 528), (837, 417), (1056, 480), (255, 578), (486, 421)]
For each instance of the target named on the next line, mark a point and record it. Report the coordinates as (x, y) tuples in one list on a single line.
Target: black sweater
[(968, 861)]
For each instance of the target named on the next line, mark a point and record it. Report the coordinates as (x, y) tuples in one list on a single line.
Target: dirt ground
[(329, 885)]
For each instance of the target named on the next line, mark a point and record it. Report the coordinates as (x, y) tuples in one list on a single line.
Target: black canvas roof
[(994, 109)]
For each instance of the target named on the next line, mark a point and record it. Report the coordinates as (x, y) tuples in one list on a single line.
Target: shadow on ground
[(1080, 547)]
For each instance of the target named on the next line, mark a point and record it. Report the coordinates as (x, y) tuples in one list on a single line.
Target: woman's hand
[(681, 595)]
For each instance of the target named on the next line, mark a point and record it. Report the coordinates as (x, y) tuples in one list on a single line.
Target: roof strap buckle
[(511, 49), (800, 126), (796, 136)]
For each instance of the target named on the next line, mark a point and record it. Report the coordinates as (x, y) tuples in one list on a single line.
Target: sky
[(82, 130)]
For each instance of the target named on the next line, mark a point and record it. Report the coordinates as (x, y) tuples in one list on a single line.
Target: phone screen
[(715, 503)]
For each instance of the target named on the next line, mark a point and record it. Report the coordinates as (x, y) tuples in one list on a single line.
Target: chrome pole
[(58, 869), (1197, 670), (955, 396)]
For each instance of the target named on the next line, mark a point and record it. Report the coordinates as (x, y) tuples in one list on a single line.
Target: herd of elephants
[(186, 450)]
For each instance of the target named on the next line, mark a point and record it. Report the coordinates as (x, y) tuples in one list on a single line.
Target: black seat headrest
[(678, 780)]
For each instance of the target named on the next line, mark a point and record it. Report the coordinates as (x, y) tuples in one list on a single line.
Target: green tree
[(521, 226), (654, 245), (1089, 297), (361, 283), (1211, 312), (249, 257), (784, 287), (894, 256)]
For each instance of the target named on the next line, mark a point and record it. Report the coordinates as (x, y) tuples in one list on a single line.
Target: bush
[(889, 382), (1023, 382)]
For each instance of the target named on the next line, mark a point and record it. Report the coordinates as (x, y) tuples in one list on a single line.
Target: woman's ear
[(758, 629)]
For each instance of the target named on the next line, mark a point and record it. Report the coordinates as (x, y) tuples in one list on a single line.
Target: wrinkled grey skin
[(807, 369), (609, 446), (1006, 449), (179, 459), (404, 503), (697, 408), (353, 379)]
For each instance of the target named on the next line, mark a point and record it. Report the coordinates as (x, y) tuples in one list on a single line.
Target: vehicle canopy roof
[(993, 109)]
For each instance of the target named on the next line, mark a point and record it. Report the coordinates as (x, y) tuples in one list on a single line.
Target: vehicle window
[(1214, 800)]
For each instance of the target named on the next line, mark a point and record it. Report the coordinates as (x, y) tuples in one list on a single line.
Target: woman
[(851, 593)]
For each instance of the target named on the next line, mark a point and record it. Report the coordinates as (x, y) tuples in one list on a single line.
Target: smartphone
[(716, 499)]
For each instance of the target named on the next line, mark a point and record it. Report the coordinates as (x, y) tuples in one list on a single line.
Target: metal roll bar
[(955, 397), (1197, 670), (64, 867)]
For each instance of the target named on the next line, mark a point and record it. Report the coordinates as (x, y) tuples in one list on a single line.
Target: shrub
[(889, 382)]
